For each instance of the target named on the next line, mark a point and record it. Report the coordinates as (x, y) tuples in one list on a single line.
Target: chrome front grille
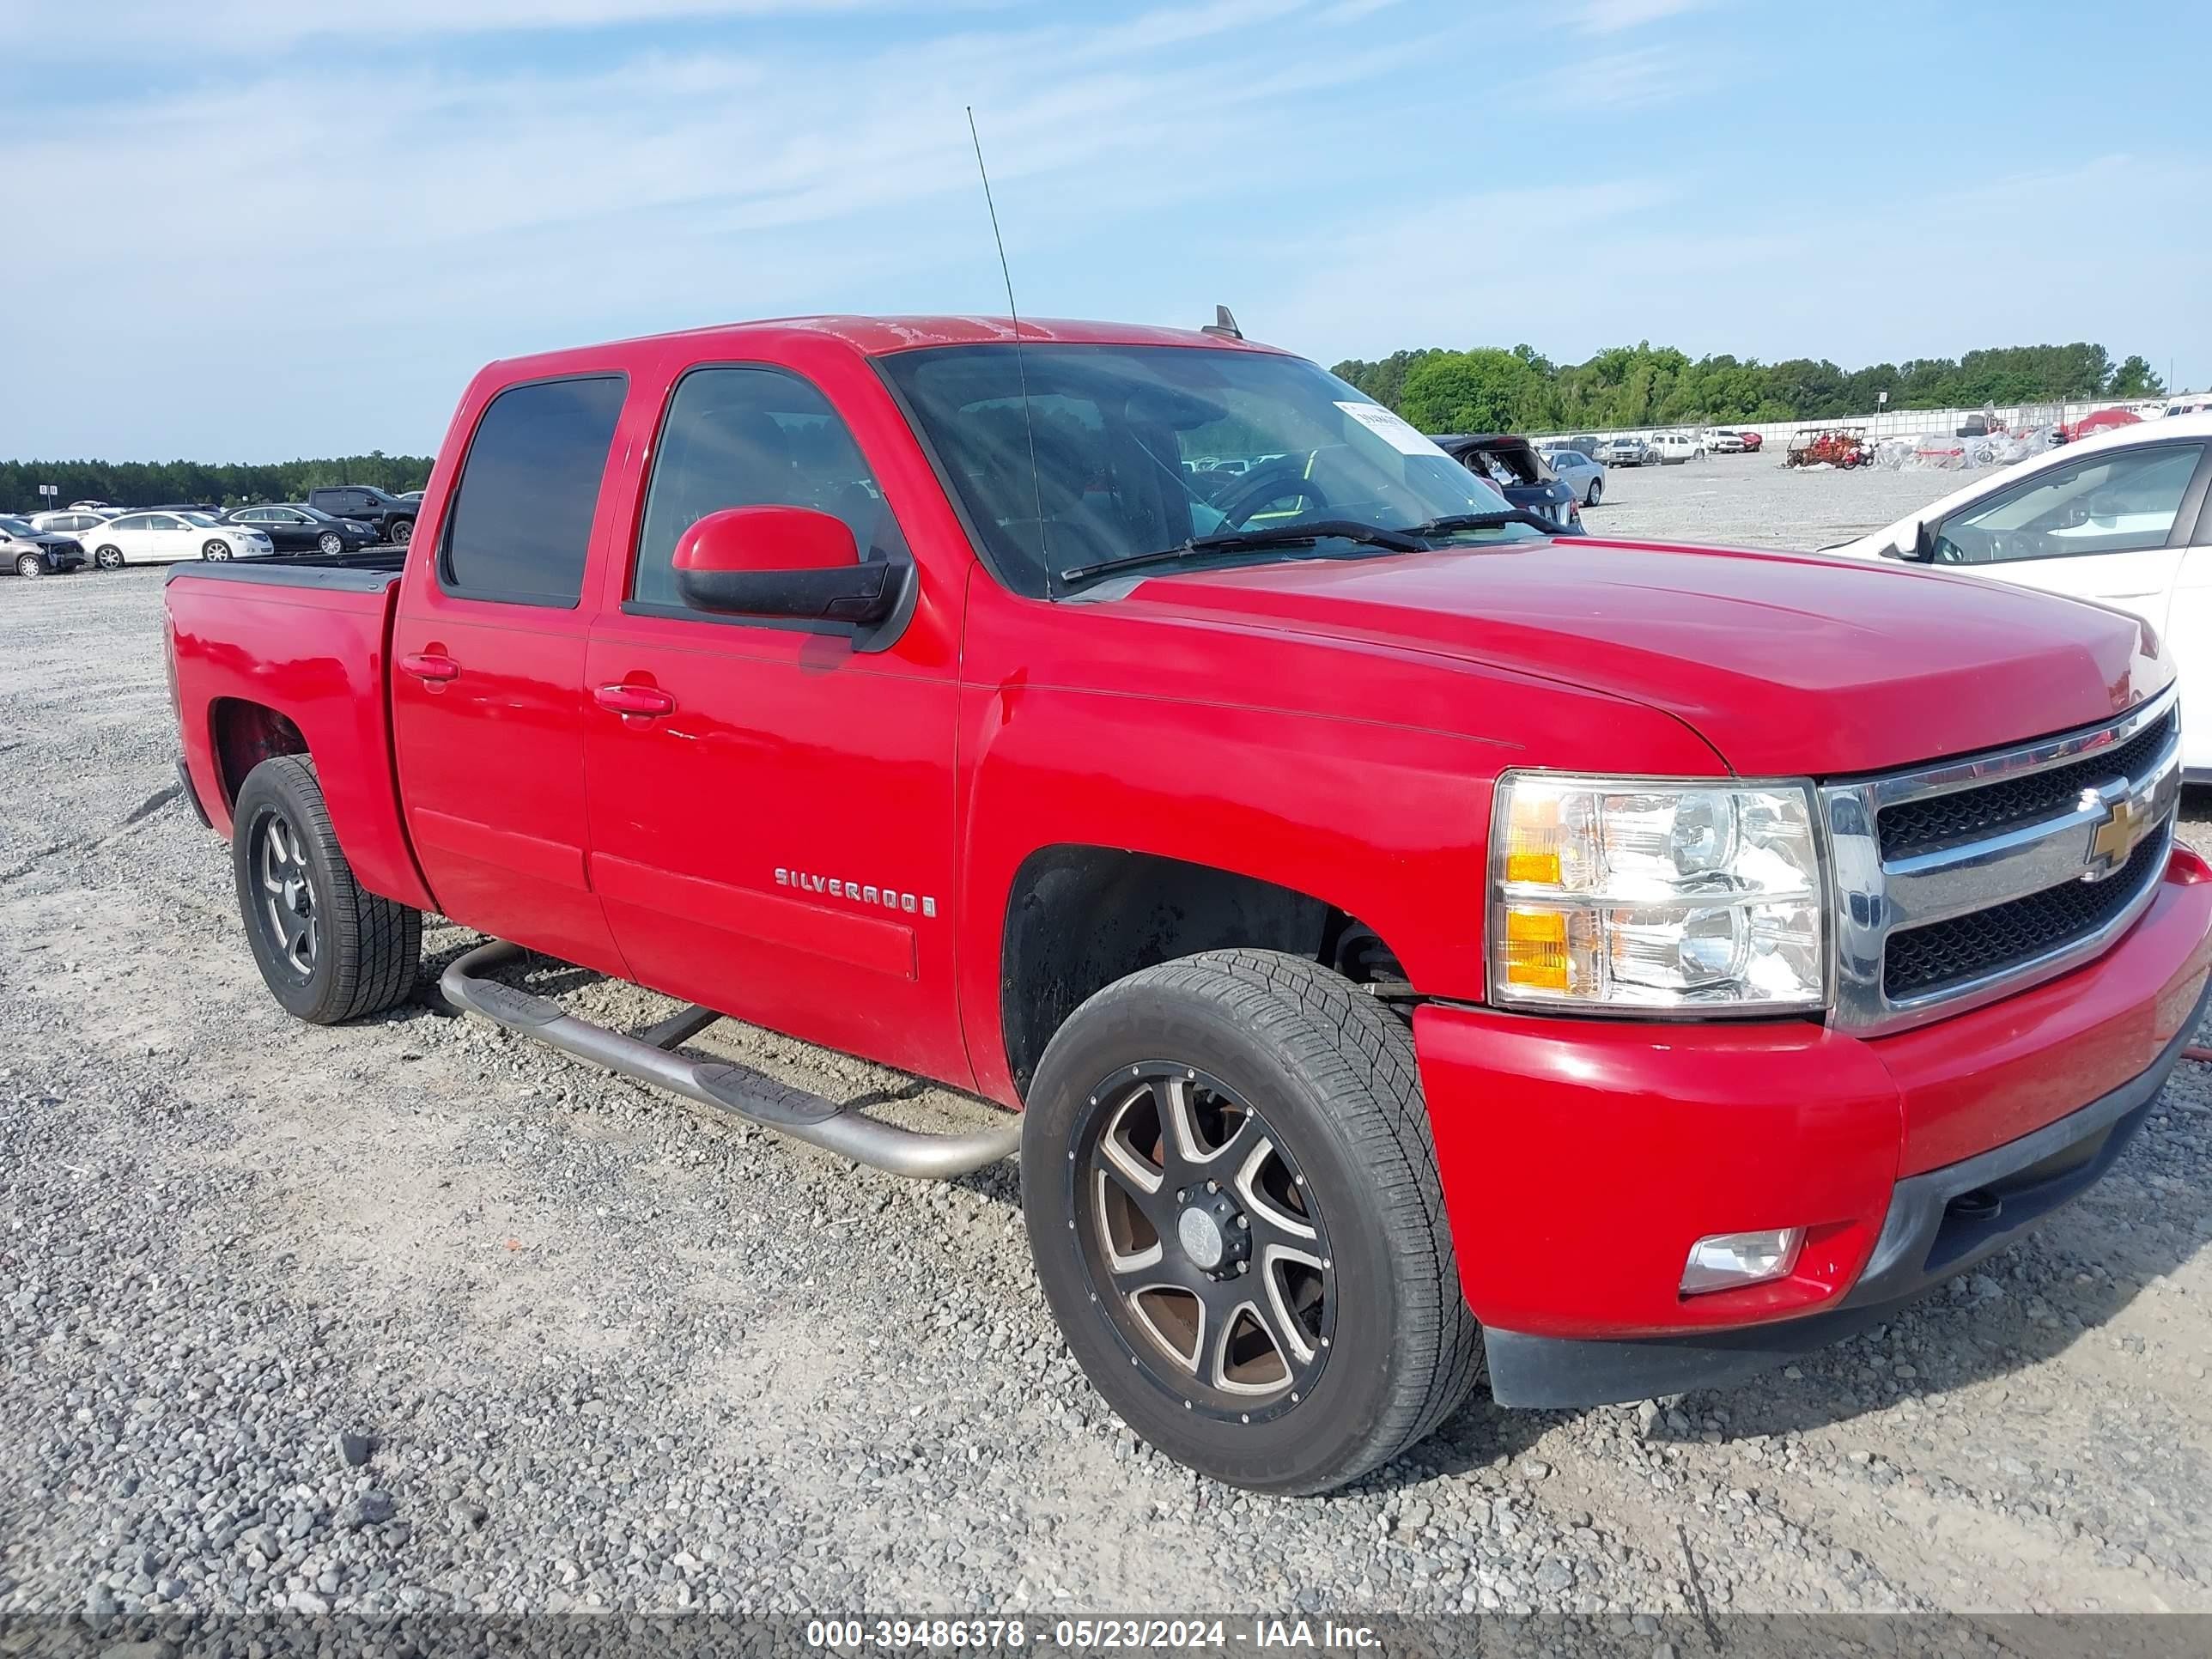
[(1962, 883)]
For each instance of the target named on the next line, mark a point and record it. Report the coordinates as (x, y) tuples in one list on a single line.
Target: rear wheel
[(328, 949), (108, 558), (1233, 1204), (214, 548), (30, 564), (1596, 493)]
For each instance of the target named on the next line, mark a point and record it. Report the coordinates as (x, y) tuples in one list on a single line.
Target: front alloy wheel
[(332, 543), (216, 550), (1232, 1197), (1201, 1241)]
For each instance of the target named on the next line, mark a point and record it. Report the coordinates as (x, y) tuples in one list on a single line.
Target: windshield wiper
[(1291, 535), (1455, 522)]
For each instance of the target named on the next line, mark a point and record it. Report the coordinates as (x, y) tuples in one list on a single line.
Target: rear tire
[(328, 949), (1271, 1105), (108, 558), (1596, 493)]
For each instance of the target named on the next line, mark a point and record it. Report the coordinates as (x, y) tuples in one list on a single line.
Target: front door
[(2104, 526), (776, 842), (488, 673)]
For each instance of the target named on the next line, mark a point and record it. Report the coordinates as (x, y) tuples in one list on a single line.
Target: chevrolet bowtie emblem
[(2125, 820)]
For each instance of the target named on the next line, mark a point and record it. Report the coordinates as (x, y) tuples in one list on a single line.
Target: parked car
[(1673, 449), (292, 528), (30, 551), (151, 538), (1724, 440), (79, 522), (392, 518), (2124, 517), (1518, 472), (1626, 450), (1364, 910), (1752, 441), (1575, 469), (410, 495)]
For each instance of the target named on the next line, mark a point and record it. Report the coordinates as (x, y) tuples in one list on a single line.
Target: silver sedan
[(1579, 472)]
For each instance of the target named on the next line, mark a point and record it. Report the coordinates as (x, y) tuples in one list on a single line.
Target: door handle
[(644, 701), (429, 665)]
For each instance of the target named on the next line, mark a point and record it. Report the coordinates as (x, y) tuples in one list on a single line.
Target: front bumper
[(1582, 1157)]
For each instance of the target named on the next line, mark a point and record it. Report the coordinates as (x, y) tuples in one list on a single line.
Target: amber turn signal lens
[(1536, 949)]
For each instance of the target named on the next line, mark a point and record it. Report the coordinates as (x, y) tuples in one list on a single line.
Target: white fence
[(1882, 424)]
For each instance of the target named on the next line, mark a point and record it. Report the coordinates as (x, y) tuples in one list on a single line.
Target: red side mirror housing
[(759, 539), (796, 563)]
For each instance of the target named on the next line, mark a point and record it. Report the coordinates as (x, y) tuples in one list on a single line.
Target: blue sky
[(253, 230)]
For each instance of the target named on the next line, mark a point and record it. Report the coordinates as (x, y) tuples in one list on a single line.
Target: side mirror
[(795, 562), (1923, 544)]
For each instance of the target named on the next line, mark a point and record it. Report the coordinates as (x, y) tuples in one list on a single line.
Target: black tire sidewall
[(1313, 1445), (273, 788)]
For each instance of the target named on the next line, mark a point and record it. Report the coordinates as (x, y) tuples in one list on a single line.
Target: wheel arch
[(241, 734), (1080, 916)]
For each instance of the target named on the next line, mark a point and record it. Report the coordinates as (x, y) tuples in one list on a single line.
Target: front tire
[(215, 549), (328, 949), (400, 531), (30, 565), (1235, 1212), (332, 543), (108, 558)]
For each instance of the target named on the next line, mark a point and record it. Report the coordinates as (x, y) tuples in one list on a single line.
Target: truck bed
[(291, 654)]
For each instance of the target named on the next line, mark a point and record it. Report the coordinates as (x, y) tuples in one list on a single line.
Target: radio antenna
[(1021, 373)]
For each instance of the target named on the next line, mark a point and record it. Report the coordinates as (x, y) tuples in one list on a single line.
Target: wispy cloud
[(1638, 78), (1611, 17)]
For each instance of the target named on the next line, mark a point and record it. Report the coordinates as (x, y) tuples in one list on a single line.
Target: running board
[(737, 1091)]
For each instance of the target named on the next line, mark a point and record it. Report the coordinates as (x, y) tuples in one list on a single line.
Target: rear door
[(488, 672), (777, 843)]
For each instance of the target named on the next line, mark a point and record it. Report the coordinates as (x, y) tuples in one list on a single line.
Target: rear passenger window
[(752, 437), (520, 523)]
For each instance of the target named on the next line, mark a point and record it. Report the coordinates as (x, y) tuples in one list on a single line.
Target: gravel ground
[(409, 1314)]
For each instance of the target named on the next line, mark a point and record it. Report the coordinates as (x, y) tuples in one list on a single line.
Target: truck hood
[(1789, 665)]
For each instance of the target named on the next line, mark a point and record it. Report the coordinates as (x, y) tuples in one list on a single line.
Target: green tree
[(2134, 379), (1481, 391)]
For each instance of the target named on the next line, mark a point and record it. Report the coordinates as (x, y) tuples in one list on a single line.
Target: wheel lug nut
[(1244, 1266), (1244, 1221), (1213, 1186), (1182, 1196)]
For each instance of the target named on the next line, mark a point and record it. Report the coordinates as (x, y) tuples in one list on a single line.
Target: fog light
[(1723, 1262)]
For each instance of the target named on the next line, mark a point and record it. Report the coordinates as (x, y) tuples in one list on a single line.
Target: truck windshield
[(1143, 449)]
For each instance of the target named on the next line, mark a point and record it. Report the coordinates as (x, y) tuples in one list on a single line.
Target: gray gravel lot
[(412, 1316)]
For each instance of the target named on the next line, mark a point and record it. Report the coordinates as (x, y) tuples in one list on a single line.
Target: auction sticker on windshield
[(1394, 431)]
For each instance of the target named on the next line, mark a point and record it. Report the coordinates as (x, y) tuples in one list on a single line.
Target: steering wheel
[(1257, 492)]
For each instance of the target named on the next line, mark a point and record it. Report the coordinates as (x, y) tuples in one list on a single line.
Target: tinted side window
[(2119, 502), (752, 437), (521, 520)]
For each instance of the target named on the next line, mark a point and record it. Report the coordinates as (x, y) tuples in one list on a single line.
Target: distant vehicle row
[(95, 533)]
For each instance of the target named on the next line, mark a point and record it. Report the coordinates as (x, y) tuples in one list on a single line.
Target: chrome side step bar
[(736, 1090)]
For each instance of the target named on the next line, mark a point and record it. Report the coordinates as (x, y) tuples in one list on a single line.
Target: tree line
[(237, 484), (1486, 389)]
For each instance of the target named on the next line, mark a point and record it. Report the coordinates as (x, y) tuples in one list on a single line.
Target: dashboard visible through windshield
[(1139, 450)]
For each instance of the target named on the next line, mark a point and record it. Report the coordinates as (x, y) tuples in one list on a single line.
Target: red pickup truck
[(1415, 943)]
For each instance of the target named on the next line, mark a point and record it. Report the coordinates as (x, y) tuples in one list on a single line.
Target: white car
[(79, 522), (1676, 448), (1724, 440), (2121, 518), (167, 538)]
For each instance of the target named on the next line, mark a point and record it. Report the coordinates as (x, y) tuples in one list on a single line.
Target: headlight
[(1637, 895)]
